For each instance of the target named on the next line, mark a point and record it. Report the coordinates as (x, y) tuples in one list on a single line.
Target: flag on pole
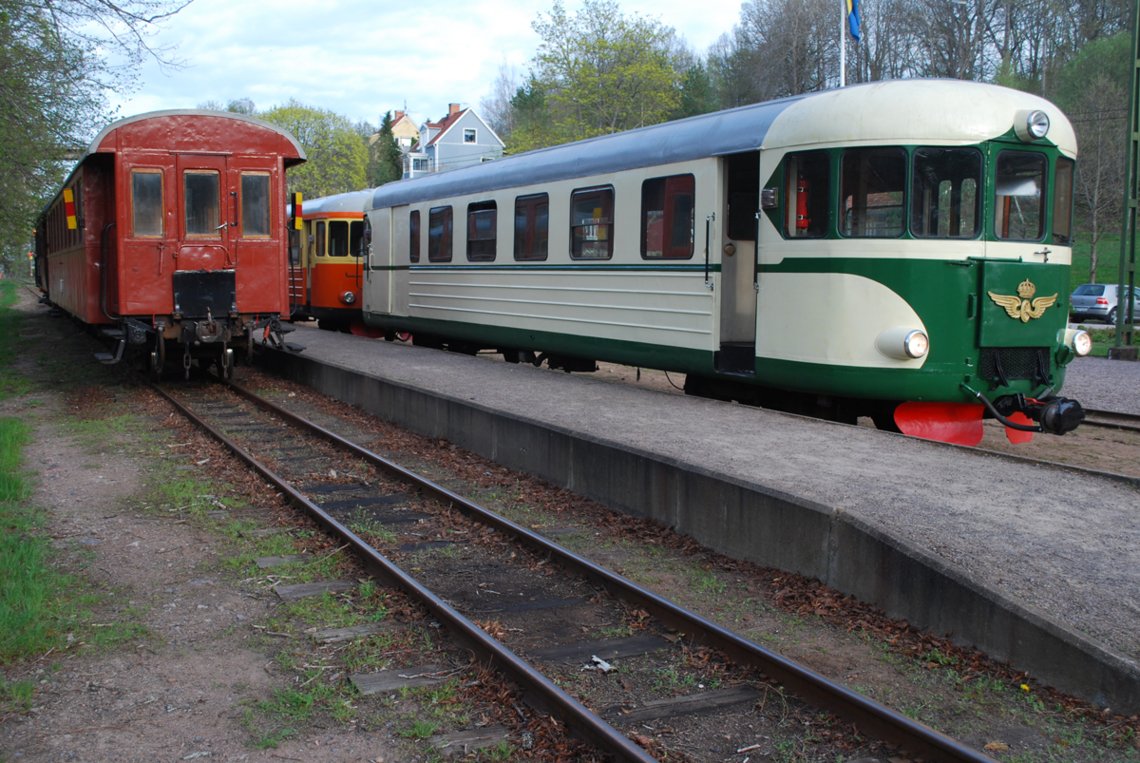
[(853, 20)]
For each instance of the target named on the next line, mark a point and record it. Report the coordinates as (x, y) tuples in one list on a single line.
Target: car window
[(1089, 290)]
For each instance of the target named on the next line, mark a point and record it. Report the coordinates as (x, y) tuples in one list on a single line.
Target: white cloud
[(355, 59)]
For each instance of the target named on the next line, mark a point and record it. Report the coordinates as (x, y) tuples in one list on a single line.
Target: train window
[(944, 200), (254, 205), (320, 239), (482, 221), (439, 234), (414, 236), (807, 187), (203, 207), (1020, 195), (532, 227), (146, 203), (1063, 202), (667, 217), (873, 183), (340, 243), (591, 224)]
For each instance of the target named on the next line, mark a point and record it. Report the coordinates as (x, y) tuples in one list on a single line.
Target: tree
[(337, 153), (385, 161), (1093, 89), (600, 72), (53, 71)]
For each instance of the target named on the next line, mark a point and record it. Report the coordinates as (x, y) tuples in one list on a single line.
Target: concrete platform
[(1034, 566)]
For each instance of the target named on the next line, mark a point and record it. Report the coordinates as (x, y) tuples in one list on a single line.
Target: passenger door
[(738, 263)]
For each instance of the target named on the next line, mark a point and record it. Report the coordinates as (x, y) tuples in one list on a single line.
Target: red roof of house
[(454, 113)]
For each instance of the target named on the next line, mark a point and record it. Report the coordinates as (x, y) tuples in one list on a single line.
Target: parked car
[(1099, 300)]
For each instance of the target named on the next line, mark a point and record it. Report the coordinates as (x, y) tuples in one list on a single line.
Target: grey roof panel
[(716, 134)]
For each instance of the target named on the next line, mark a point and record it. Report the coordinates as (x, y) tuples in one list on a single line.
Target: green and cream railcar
[(892, 248)]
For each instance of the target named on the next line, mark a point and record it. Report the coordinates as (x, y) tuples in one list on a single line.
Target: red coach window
[(203, 213), (146, 202), (254, 205)]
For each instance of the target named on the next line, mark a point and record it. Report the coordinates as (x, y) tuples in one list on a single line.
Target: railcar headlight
[(1031, 125), (348, 298), (916, 344), (1078, 341), (903, 343)]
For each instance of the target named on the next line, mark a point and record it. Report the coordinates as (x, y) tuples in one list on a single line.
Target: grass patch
[(12, 383)]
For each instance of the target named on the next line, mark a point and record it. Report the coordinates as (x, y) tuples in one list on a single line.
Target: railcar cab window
[(439, 234), (944, 200), (873, 183), (343, 237), (320, 242), (414, 236), (1063, 202), (532, 227), (203, 205), (591, 224), (146, 202), (255, 205), (1019, 188), (667, 217), (808, 187), (482, 231)]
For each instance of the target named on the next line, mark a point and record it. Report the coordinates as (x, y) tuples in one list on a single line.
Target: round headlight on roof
[(1031, 125)]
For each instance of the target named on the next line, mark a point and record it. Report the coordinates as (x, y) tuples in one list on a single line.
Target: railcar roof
[(94, 145), (353, 201), (899, 111), (716, 134)]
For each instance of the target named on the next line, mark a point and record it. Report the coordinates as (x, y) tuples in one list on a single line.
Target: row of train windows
[(666, 225), (336, 238), (202, 206), (945, 194)]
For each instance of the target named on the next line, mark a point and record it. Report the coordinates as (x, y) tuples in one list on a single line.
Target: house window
[(532, 227), (420, 165), (255, 205), (469, 135), (202, 207), (667, 217), (414, 236), (439, 234), (592, 223), (146, 202), (481, 233)]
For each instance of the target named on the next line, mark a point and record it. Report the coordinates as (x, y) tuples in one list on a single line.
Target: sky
[(362, 58)]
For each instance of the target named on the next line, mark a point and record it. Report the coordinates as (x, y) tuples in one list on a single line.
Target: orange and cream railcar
[(325, 270), (169, 237)]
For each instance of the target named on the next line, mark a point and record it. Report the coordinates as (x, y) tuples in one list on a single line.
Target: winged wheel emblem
[(1023, 306)]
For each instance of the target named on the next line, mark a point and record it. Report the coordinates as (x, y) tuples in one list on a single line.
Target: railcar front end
[(325, 270), (169, 236), (929, 263)]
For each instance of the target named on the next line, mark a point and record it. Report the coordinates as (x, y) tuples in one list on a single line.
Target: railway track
[(546, 618), (1129, 422)]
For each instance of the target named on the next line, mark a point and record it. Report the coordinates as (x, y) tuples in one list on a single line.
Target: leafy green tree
[(337, 153), (53, 71), (385, 161), (600, 72)]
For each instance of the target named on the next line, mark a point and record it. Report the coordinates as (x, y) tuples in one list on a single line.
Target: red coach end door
[(206, 219)]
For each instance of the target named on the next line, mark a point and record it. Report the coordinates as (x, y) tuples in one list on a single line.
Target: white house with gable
[(460, 139)]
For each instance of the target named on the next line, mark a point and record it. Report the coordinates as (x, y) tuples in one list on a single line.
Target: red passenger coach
[(170, 236)]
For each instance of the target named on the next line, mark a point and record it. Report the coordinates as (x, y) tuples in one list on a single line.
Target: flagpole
[(842, 43)]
